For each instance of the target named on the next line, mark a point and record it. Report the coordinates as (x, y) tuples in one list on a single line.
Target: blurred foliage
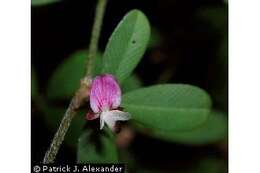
[(42, 2), (97, 147), (209, 165), (66, 78), (217, 18)]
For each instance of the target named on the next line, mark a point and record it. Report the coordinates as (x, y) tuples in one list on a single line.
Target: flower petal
[(119, 115), (102, 121), (105, 93), (110, 118)]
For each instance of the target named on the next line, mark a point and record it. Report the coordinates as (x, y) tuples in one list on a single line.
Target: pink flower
[(105, 99)]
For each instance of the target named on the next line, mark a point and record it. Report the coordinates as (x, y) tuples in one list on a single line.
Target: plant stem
[(59, 135), (100, 9), (82, 94)]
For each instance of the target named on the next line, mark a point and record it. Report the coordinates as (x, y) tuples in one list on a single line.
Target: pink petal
[(105, 93)]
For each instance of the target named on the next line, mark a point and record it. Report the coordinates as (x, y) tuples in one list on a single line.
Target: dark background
[(189, 51)]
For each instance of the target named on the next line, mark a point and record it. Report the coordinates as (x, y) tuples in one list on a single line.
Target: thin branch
[(82, 94), (95, 35)]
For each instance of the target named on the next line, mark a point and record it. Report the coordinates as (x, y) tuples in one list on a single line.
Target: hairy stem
[(79, 98), (82, 94), (59, 135), (100, 9)]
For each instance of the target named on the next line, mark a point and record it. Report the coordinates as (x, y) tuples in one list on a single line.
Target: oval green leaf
[(168, 106), (96, 147), (213, 130), (126, 45)]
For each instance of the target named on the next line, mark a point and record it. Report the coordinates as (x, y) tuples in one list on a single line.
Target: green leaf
[(131, 83), (34, 85), (168, 106), (213, 130), (66, 79), (53, 117), (126, 45), (43, 2), (97, 147)]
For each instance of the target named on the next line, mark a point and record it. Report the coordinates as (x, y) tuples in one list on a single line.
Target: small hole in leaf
[(133, 41)]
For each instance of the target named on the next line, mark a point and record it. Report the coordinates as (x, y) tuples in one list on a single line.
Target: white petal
[(120, 115), (102, 121), (110, 121), (110, 118)]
